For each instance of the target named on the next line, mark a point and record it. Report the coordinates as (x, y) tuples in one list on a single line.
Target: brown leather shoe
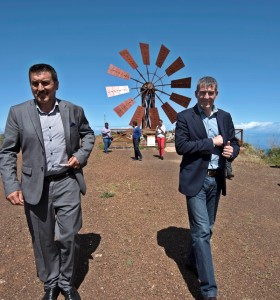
[(51, 293), (72, 294)]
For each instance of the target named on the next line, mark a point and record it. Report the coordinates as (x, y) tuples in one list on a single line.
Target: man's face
[(206, 96), (43, 87)]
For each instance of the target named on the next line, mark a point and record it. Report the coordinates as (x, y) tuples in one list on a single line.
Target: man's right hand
[(218, 141), (16, 198)]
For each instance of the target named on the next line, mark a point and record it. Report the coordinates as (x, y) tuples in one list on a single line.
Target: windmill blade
[(163, 52), (115, 71), (181, 83), (175, 66), (170, 112), (154, 117), (180, 99), (128, 58), (124, 107), (116, 90), (138, 116), (145, 53)]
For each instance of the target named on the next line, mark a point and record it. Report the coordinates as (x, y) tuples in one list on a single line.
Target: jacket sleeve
[(87, 140), (233, 140), (185, 143), (8, 155)]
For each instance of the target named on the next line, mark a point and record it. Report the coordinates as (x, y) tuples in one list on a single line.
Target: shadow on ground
[(89, 242), (176, 243)]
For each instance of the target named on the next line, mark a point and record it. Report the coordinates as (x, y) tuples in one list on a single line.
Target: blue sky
[(236, 41)]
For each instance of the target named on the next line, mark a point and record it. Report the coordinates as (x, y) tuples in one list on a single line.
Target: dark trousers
[(54, 224), (228, 168), (137, 153)]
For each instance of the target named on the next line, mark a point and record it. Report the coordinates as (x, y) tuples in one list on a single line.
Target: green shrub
[(1, 139), (107, 195), (250, 150), (273, 156)]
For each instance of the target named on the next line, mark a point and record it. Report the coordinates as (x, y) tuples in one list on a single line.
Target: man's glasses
[(203, 93)]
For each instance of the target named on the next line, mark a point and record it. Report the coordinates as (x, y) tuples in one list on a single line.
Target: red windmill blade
[(150, 87)]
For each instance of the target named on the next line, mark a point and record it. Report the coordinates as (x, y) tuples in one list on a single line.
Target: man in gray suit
[(55, 141)]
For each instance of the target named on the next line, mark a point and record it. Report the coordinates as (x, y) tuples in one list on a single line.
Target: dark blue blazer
[(192, 142)]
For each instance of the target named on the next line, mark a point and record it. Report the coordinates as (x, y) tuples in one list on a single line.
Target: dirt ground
[(133, 244)]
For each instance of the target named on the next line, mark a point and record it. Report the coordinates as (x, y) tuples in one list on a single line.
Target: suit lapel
[(220, 124), (198, 121), (34, 116), (64, 113)]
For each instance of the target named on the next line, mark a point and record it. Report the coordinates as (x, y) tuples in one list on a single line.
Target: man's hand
[(218, 141), (74, 163), (16, 198), (228, 150)]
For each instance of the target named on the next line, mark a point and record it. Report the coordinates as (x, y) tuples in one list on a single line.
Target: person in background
[(229, 173), (107, 137), (55, 141), (160, 135), (205, 137), (136, 140)]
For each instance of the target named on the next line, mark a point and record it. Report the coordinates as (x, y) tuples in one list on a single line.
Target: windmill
[(149, 87)]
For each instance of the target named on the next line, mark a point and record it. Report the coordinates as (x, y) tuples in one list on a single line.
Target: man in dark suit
[(55, 141), (205, 136)]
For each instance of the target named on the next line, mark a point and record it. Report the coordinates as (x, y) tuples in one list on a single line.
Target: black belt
[(57, 177), (213, 172)]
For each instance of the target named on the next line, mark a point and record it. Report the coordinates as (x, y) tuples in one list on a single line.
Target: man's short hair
[(38, 68), (207, 81)]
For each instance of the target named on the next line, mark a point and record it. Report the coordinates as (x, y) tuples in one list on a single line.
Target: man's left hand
[(228, 150), (74, 163)]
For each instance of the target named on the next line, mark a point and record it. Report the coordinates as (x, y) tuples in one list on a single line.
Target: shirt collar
[(214, 110), (54, 107)]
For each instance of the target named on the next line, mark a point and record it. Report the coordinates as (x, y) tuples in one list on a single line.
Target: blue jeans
[(202, 210), (107, 143)]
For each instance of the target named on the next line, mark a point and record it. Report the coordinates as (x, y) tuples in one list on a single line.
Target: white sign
[(151, 141), (116, 90)]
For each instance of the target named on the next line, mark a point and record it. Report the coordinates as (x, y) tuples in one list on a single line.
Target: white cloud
[(253, 124), (269, 127)]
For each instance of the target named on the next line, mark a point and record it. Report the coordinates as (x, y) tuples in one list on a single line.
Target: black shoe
[(161, 157), (192, 269), (51, 293), (71, 294)]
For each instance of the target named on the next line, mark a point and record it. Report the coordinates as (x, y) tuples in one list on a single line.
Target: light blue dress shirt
[(211, 127)]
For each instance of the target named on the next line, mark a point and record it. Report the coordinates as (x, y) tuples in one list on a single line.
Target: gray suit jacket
[(23, 133)]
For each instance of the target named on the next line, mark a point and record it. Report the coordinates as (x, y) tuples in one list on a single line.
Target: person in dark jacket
[(205, 137), (136, 140)]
